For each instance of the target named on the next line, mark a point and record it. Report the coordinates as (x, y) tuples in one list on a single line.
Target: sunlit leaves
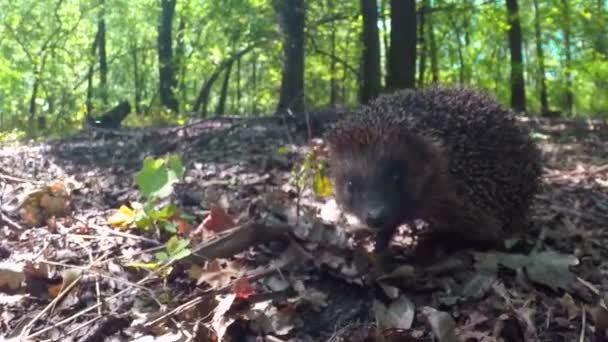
[(157, 176)]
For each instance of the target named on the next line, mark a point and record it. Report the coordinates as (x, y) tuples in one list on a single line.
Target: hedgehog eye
[(396, 177), (349, 186)]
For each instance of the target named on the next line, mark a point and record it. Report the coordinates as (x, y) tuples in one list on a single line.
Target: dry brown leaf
[(11, 277), (218, 220), (214, 274)]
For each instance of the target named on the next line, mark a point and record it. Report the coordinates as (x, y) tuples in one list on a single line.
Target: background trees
[(60, 60)]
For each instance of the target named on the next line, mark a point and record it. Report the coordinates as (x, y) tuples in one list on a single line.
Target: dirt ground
[(275, 264)]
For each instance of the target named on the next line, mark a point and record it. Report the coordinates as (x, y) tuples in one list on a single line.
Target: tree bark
[(540, 55), (291, 16), (370, 82), (103, 58), (568, 55), (402, 54), (333, 84), (433, 47), (254, 82), (238, 85), (202, 99), (385, 36), (167, 80), (137, 84), (518, 94), (221, 104), (423, 45)]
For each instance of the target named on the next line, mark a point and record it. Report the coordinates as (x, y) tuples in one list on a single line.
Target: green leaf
[(157, 176), (321, 184), (170, 227)]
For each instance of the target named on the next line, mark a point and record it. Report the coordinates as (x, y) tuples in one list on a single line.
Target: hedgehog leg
[(382, 256), (452, 218)]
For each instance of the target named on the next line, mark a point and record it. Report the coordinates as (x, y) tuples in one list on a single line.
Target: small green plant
[(312, 168), (155, 181)]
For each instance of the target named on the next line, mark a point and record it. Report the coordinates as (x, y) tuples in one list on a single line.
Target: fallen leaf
[(218, 220), (122, 218), (220, 322), (214, 275), (570, 305), (398, 315), (548, 268), (242, 288), (442, 324), (11, 277)]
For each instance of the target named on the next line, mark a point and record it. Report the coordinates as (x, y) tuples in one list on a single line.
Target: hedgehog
[(450, 156)]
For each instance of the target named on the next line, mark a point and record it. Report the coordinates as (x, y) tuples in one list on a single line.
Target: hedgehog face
[(383, 192)]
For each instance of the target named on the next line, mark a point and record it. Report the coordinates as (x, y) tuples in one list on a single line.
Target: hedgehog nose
[(375, 217)]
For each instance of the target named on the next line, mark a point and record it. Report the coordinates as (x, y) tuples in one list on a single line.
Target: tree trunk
[(254, 82), (221, 104), (402, 54), (370, 82), (568, 55), (433, 47), (167, 80), (103, 58), (518, 94), (180, 59), (544, 102), (385, 40), (202, 99), (423, 46), (291, 17), (333, 84), (238, 85), (136, 79)]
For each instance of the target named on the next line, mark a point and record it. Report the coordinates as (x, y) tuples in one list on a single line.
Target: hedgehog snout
[(376, 216)]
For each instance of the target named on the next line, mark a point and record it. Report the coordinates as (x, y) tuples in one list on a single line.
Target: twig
[(51, 305), (95, 306), (20, 180), (583, 323), (573, 212), (10, 222), (118, 233)]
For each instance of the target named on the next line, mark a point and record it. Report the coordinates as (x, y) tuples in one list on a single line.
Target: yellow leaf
[(122, 218), (148, 265)]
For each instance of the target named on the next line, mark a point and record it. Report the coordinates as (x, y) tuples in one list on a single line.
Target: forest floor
[(70, 271)]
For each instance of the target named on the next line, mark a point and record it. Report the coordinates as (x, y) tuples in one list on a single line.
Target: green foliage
[(156, 180), (176, 249), (46, 56), (312, 169), (157, 176)]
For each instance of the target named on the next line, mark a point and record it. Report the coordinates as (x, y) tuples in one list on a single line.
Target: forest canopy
[(63, 59)]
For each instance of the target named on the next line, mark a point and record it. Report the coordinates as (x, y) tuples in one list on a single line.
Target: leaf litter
[(238, 245)]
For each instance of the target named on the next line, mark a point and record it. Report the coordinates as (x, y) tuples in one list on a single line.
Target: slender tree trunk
[(238, 85), (333, 84), (461, 69), (103, 58), (254, 83), (402, 55), (433, 47), (370, 82), (385, 40), (540, 55), (167, 80), (423, 45), (518, 94), (136, 79), (292, 15), (221, 104), (89, 100), (568, 55), (180, 59)]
